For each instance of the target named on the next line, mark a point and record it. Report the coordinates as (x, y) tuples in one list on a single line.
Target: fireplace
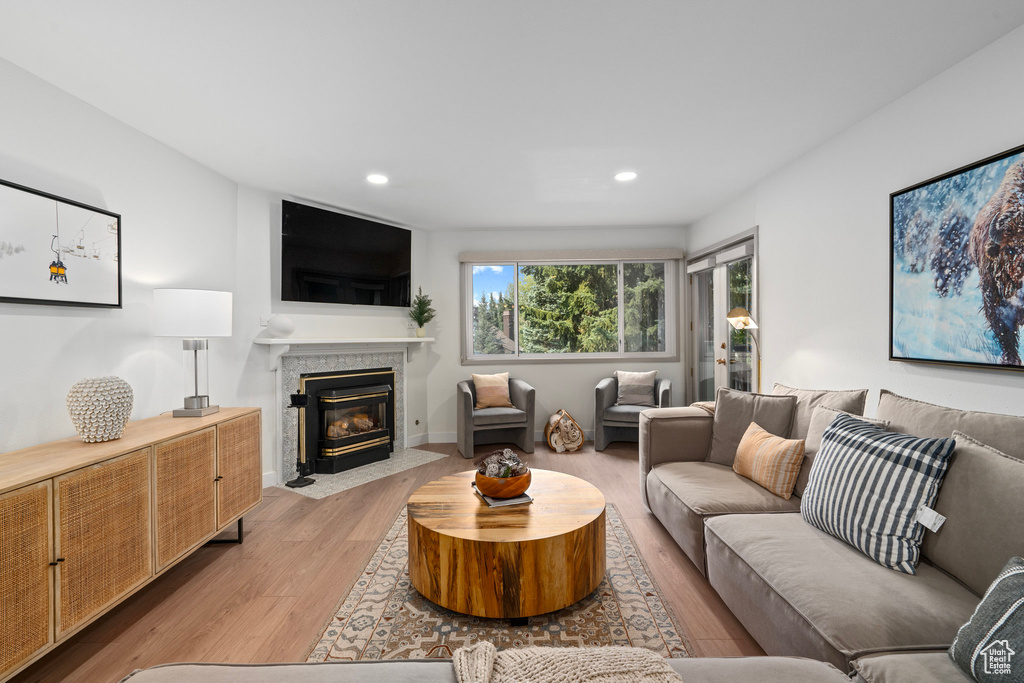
[(350, 419)]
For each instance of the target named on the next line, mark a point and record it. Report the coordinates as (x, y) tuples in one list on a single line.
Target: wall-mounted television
[(334, 258)]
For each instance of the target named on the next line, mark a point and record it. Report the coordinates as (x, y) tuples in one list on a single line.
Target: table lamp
[(194, 315), (740, 319)]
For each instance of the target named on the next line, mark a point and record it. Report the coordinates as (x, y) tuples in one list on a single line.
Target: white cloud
[(494, 269)]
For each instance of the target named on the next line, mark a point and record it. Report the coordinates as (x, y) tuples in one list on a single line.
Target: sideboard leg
[(218, 541)]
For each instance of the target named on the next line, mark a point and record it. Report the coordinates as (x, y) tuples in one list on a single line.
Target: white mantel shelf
[(283, 344), (331, 341)]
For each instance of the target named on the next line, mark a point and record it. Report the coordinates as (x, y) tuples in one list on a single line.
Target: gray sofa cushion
[(934, 667), (982, 499), (760, 669), (693, 670), (799, 591), (391, 671), (498, 416), (682, 494), (735, 410), (849, 401), (625, 415), (1003, 432)]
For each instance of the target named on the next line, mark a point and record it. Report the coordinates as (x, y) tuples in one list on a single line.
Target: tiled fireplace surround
[(295, 364)]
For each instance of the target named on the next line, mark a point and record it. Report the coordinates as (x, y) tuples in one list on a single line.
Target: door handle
[(720, 361)]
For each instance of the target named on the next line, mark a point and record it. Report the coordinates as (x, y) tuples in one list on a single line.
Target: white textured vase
[(100, 407)]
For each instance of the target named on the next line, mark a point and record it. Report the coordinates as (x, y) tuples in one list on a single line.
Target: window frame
[(672, 312)]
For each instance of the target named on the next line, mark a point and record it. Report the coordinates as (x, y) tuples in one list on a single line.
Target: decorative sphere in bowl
[(507, 487)]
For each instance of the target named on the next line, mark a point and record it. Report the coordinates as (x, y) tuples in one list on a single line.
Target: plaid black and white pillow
[(985, 646), (867, 484)]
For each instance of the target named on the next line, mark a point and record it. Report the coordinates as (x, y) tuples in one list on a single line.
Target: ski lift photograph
[(57, 251)]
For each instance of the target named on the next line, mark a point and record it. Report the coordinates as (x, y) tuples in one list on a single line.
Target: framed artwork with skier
[(56, 251), (956, 266)]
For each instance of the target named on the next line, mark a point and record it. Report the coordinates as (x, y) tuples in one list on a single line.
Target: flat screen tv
[(333, 258)]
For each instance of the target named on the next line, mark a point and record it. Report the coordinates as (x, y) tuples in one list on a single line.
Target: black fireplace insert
[(350, 420)]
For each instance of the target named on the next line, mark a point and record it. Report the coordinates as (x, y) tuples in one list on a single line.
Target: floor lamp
[(740, 319)]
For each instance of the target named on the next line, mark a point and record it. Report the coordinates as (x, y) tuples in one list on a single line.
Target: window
[(570, 309)]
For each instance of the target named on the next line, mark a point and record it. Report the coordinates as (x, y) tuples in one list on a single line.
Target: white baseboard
[(417, 440), (270, 479), (442, 437), (450, 437)]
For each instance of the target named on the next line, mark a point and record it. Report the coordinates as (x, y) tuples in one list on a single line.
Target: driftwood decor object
[(563, 433), (148, 500), (506, 562)]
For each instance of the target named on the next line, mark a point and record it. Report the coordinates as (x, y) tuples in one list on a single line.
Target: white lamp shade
[(191, 313)]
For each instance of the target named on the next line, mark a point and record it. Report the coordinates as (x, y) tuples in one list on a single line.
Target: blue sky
[(487, 279)]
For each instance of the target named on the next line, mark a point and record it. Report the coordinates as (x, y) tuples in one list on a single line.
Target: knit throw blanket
[(483, 663), (707, 406)]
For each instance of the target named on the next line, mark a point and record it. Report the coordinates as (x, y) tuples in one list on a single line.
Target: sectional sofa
[(801, 592)]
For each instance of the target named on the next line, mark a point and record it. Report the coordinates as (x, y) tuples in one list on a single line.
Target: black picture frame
[(56, 251), (956, 266)]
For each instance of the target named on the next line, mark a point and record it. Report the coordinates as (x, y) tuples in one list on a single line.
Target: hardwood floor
[(268, 599)]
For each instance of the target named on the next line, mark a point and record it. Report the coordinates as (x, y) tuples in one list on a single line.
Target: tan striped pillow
[(492, 391), (769, 461)]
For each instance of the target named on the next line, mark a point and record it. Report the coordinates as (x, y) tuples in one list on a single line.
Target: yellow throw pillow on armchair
[(492, 391), (769, 461)]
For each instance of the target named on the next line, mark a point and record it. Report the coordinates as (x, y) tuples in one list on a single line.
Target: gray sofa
[(621, 423), (710, 670), (801, 592), (495, 425)]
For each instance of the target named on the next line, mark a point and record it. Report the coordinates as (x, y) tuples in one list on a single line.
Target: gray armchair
[(495, 425), (622, 423)]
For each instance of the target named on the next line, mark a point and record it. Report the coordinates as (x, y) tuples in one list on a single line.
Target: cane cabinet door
[(239, 467), (26, 593), (185, 493), (102, 533)]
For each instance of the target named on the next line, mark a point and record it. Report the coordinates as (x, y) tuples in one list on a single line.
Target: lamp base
[(195, 412)]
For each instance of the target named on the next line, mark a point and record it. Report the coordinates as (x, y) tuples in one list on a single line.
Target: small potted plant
[(421, 312)]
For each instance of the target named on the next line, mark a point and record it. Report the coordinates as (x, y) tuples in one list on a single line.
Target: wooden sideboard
[(85, 525)]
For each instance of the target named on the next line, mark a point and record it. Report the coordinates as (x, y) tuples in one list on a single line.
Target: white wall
[(178, 230), (824, 235), (569, 385)]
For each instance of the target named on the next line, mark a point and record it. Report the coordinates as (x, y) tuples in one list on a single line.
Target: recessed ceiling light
[(625, 176), (377, 179)]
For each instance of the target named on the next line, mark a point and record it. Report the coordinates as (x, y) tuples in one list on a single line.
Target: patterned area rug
[(383, 617), (329, 484)]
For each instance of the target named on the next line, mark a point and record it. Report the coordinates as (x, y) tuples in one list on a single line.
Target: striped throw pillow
[(867, 484), (636, 388), (769, 461), (985, 646), (492, 391)]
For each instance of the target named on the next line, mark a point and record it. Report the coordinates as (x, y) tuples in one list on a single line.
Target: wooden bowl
[(509, 487)]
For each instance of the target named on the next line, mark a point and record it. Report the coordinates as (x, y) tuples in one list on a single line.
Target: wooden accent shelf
[(85, 525), (507, 562)]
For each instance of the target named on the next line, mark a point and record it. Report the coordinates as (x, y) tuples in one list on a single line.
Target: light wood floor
[(267, 599)]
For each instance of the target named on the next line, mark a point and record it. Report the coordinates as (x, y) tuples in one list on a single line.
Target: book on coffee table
[(502, 502)]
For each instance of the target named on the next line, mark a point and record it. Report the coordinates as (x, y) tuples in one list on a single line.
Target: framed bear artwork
[(956, 266)]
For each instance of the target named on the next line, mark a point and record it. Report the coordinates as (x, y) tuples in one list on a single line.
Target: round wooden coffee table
[(506, 562)]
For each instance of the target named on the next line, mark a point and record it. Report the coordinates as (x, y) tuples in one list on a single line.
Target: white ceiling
[(490, 114)]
